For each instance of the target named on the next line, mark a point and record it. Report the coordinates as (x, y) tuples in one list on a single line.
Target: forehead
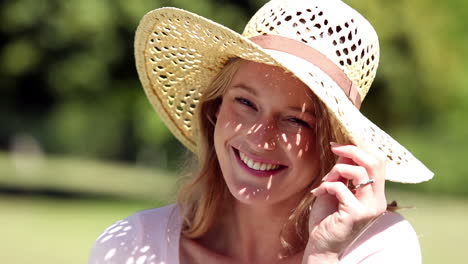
[(272, 81)]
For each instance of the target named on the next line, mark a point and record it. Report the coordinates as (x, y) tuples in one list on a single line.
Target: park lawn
[(41, 229), (44, 230)]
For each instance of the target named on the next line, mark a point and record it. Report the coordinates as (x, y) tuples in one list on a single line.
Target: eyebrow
[(291, 108), (299, 109), (246, 88)]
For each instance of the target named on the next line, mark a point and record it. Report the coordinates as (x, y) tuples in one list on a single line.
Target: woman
[(263, 112)]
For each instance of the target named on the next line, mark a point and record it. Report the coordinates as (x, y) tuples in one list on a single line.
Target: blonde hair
[(203, 198)]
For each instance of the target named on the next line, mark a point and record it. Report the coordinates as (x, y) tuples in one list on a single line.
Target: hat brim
[(178, 53)]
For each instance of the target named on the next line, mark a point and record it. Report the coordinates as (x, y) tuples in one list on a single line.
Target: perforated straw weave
[(178, 53)]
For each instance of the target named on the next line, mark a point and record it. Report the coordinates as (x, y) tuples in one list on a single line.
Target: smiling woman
[(263, 112)]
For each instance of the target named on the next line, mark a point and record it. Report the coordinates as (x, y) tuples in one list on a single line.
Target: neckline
[(173, 234)]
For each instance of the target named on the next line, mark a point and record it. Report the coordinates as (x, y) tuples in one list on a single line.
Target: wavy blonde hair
[(204, 196)]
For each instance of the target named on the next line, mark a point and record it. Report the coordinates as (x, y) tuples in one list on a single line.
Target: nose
[(262, 135)]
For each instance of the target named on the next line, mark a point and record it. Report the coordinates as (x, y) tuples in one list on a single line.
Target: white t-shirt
[(152, 237)]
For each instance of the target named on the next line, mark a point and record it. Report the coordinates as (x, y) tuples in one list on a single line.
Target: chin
[(250, 194), (255, 194)]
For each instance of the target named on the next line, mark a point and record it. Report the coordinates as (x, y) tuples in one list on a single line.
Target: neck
[(251, 234)]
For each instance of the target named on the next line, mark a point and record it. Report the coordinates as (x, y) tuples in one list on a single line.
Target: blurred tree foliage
[(68, 79)]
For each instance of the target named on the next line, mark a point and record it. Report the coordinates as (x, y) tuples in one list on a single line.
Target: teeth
[(257, 165)]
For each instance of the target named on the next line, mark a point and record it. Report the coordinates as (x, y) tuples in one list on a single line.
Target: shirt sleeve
[(117, 244), (391, 239), (149, 236)]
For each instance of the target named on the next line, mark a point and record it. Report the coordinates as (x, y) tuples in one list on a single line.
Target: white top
[(152, 237)]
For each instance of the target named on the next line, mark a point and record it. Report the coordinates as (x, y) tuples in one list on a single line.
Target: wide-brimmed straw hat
[(325, 43)]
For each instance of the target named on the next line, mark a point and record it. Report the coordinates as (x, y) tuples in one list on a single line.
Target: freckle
[(238, 127), (269, 182), (284, 138), (289, 147), (258, 128), (298, 139), (242, 191), (299, 155)]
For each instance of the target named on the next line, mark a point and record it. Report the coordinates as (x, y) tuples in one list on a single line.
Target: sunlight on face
[(265, 135)]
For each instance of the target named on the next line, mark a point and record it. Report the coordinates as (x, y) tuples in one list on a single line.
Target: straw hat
[(324, 43)]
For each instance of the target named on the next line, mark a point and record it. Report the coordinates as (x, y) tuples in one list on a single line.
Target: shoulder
[(390, 239), (139, 237)]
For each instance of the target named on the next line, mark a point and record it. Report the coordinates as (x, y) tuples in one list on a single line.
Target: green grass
[(37, 229)]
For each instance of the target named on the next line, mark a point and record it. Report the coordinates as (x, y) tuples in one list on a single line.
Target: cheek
[(231, 120), (299, 144)]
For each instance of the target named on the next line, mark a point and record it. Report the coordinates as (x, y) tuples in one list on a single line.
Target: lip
[(258, 173)]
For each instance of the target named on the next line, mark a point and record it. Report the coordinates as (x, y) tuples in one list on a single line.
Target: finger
[(356, 154), (340, 191), (356, 174), (343, 160), (340, 160), (374, 165)]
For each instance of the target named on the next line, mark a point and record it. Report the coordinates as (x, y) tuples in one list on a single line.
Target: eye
[(245, 102), (298, 121)]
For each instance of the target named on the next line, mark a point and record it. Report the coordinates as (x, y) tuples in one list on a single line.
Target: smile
[(256, 167)]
